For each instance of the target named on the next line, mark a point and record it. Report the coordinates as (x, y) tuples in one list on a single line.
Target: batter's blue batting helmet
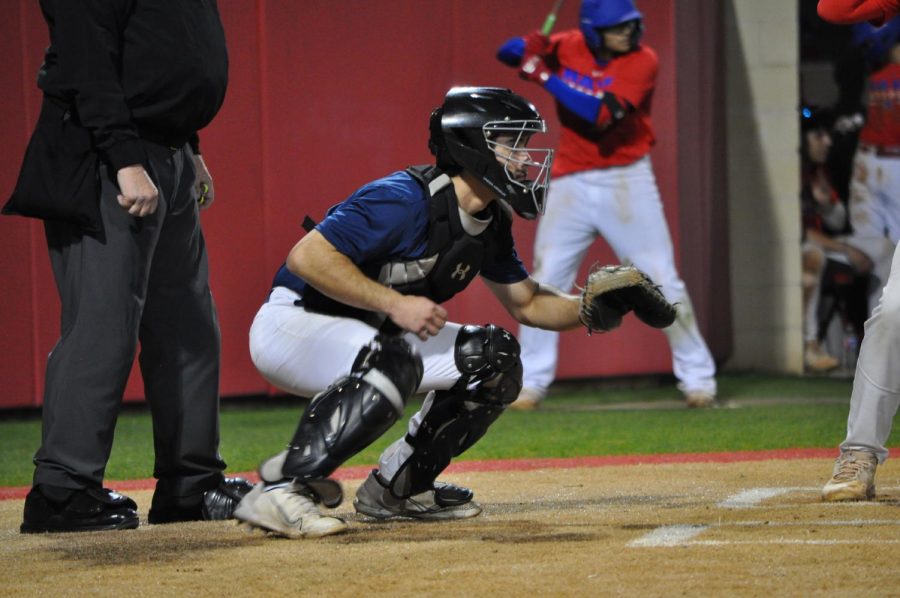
[(601, 14)]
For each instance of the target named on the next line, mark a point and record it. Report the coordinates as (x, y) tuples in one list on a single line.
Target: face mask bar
[(526, 168)]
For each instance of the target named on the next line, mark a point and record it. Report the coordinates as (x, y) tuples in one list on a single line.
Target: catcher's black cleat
[(56, 509), (443, 501), (213, 505)]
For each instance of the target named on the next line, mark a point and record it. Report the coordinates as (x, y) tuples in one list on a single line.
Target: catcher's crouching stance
[(354, 320)]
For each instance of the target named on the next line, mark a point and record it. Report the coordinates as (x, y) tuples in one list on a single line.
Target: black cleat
[(55, 509), (220, 503), (213, 505)]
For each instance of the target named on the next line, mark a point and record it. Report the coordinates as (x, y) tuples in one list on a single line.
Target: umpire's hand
[(137, 193), (204, 189)]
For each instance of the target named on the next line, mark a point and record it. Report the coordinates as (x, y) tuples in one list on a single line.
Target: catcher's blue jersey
[(387, 221)]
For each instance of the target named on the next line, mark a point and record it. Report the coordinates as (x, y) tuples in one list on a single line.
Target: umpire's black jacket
[(119, 71)]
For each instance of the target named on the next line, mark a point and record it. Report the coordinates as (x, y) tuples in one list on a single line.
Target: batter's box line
[(668, 536), (751, 498), (785, 541)]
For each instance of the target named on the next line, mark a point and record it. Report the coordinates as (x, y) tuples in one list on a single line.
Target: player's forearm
[(329, 271), (550, 309), (601, 111)]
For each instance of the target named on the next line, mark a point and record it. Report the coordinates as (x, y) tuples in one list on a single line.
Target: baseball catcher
[(354, 320)]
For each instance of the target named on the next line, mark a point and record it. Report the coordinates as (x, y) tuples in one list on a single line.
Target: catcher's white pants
[(303, 353), (621, 204), (876, 387)]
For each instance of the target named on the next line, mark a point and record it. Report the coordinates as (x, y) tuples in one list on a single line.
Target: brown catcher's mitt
[(612, 291)]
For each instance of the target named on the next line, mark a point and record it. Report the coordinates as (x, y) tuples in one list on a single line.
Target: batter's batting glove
[(534, 69), (536, 43), (612, 291)]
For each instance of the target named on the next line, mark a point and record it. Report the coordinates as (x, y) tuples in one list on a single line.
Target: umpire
[(114, 170)]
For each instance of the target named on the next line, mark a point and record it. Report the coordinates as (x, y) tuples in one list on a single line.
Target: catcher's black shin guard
[(354, 411), (459, 417)]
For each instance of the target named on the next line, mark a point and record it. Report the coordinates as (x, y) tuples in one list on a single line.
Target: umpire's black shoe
[(213, 505), (55, 509)]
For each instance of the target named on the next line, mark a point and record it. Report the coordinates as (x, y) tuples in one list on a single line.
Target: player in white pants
[(875, 398), (602, 79), (623, 206), (354, 321), (285, 339), (876, 385)]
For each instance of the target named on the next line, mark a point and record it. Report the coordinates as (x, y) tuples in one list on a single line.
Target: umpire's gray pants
[(144, 279)]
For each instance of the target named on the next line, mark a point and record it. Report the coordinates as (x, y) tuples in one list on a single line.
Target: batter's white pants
[(876, 387), (623, 206), (303, 353)]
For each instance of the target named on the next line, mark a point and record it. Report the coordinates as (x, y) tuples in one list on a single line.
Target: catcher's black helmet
[(465, 131)]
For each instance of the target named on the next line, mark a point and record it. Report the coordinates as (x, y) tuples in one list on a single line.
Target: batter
[(603, 80)]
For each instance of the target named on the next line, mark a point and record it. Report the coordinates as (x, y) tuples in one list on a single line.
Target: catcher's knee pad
[(355, 410), (484, 352)]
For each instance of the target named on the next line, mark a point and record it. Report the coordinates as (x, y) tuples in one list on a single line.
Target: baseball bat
[(550, 21)]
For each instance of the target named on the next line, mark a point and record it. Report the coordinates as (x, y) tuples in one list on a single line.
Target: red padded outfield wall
[(324, 96)]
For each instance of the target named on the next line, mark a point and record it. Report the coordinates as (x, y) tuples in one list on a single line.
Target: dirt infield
[(745, 528)]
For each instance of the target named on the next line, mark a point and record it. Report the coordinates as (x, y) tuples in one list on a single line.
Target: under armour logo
[(461, 271)]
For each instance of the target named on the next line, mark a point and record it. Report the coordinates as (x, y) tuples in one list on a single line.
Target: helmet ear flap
[(437, 143)]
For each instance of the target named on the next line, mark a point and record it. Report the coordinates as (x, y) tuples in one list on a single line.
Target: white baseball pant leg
[(623, 205), (876, 386), (303, 353)]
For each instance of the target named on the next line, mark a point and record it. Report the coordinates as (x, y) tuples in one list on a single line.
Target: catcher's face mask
[(528, 169)]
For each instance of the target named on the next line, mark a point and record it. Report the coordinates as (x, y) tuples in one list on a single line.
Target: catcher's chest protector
[(453, 257)]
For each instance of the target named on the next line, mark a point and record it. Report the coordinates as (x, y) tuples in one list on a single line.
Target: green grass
[(577, 421)]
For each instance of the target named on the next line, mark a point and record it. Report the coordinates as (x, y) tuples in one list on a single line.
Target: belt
[(889, 151)]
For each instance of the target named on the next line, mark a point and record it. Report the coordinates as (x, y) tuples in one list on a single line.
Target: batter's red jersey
[(631, 77), (883, 114), (857, 11)]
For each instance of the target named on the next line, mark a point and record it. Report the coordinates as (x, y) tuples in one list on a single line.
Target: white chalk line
[(784, 541), (683, 535), (752, 497), (749, 499), (669, 535), (686, 534), (847, 523)]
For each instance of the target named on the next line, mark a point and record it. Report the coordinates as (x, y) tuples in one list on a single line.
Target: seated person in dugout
[(875, 186), (825, 250), (354, 320)]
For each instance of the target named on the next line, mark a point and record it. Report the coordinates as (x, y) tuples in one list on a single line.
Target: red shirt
[(631, 77), (883, 114), (857, 11)]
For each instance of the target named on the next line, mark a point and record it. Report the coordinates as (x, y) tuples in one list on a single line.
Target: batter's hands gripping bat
[(550, 21)]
